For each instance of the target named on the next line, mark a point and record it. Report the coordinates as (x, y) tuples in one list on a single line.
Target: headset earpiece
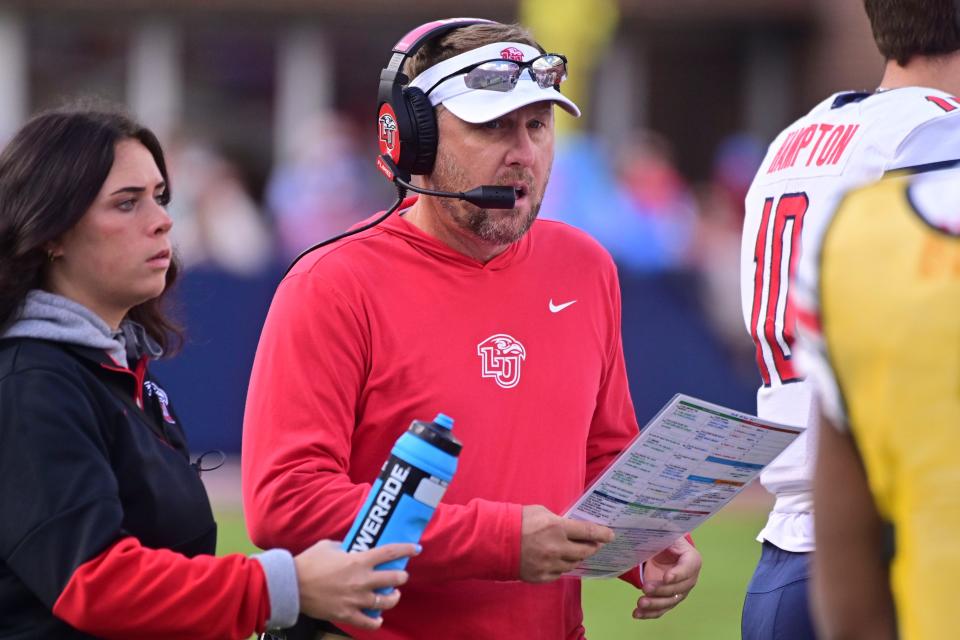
[(406, 121), (423, 152)]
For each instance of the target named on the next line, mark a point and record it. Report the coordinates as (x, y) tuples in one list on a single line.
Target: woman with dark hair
[(105, 528)]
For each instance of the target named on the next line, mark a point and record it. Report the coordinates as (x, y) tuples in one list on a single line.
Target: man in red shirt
[(507, 323)]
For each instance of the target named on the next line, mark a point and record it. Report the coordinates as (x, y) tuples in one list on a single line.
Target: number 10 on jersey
[(776, 255)]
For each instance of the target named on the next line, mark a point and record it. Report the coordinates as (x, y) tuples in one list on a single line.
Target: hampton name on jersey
[(874, 330), (847, 140)]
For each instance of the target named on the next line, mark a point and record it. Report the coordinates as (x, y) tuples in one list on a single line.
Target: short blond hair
[(464, 39)]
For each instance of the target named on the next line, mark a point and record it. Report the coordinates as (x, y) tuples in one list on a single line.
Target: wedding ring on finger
[(677, 596), (376, 601)]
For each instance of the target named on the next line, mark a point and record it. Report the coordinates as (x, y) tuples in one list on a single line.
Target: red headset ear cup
[(424, 120)]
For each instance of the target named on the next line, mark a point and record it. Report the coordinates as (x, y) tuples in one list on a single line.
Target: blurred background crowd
[(267, 111)]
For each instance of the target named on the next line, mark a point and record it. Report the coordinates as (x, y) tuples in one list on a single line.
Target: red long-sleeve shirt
[(391, 325)]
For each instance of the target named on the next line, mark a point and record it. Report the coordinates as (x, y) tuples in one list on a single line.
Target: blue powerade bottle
[(411, 483)]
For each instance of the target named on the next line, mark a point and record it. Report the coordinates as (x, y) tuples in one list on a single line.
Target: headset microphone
[(491, 196), (488, 196)]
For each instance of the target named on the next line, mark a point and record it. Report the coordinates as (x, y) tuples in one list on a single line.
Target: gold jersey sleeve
[(890, 323)]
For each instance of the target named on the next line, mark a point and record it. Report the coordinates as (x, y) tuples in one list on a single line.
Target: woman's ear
[(54, 250)]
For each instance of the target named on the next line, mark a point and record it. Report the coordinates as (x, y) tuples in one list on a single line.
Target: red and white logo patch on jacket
[(153, 389)]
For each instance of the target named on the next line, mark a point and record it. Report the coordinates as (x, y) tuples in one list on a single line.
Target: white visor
[(482, 105)]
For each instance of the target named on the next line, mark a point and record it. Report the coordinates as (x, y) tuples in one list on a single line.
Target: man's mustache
[(513, 177)]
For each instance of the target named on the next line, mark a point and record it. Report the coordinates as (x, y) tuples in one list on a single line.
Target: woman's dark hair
[(50, 175)]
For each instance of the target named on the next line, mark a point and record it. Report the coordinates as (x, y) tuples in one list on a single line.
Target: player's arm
[(851, 596), (302, 405)]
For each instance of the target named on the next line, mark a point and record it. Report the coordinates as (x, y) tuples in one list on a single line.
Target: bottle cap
[(437, 433), (443, 420)]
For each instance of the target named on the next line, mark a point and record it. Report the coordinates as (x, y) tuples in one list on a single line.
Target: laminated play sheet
[(689, 461)]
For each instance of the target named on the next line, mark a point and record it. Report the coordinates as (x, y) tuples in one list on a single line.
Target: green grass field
[(712, 612)]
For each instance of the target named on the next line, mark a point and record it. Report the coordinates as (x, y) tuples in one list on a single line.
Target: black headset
[(406, 121)]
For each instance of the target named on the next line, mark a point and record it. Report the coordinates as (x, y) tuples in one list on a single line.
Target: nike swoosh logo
[(556, 308)]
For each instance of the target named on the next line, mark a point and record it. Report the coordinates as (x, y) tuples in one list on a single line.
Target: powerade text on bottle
[(411, 483)]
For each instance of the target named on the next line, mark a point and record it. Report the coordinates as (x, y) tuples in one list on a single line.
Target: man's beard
[(495, 226)]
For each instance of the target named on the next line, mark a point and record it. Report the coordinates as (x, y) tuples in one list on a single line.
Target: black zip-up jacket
[(93, 469)]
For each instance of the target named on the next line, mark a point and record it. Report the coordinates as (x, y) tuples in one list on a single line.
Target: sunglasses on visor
[(547, 70)]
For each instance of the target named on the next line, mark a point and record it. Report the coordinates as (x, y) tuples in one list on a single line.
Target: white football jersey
[(846, 141), (935, 197)]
